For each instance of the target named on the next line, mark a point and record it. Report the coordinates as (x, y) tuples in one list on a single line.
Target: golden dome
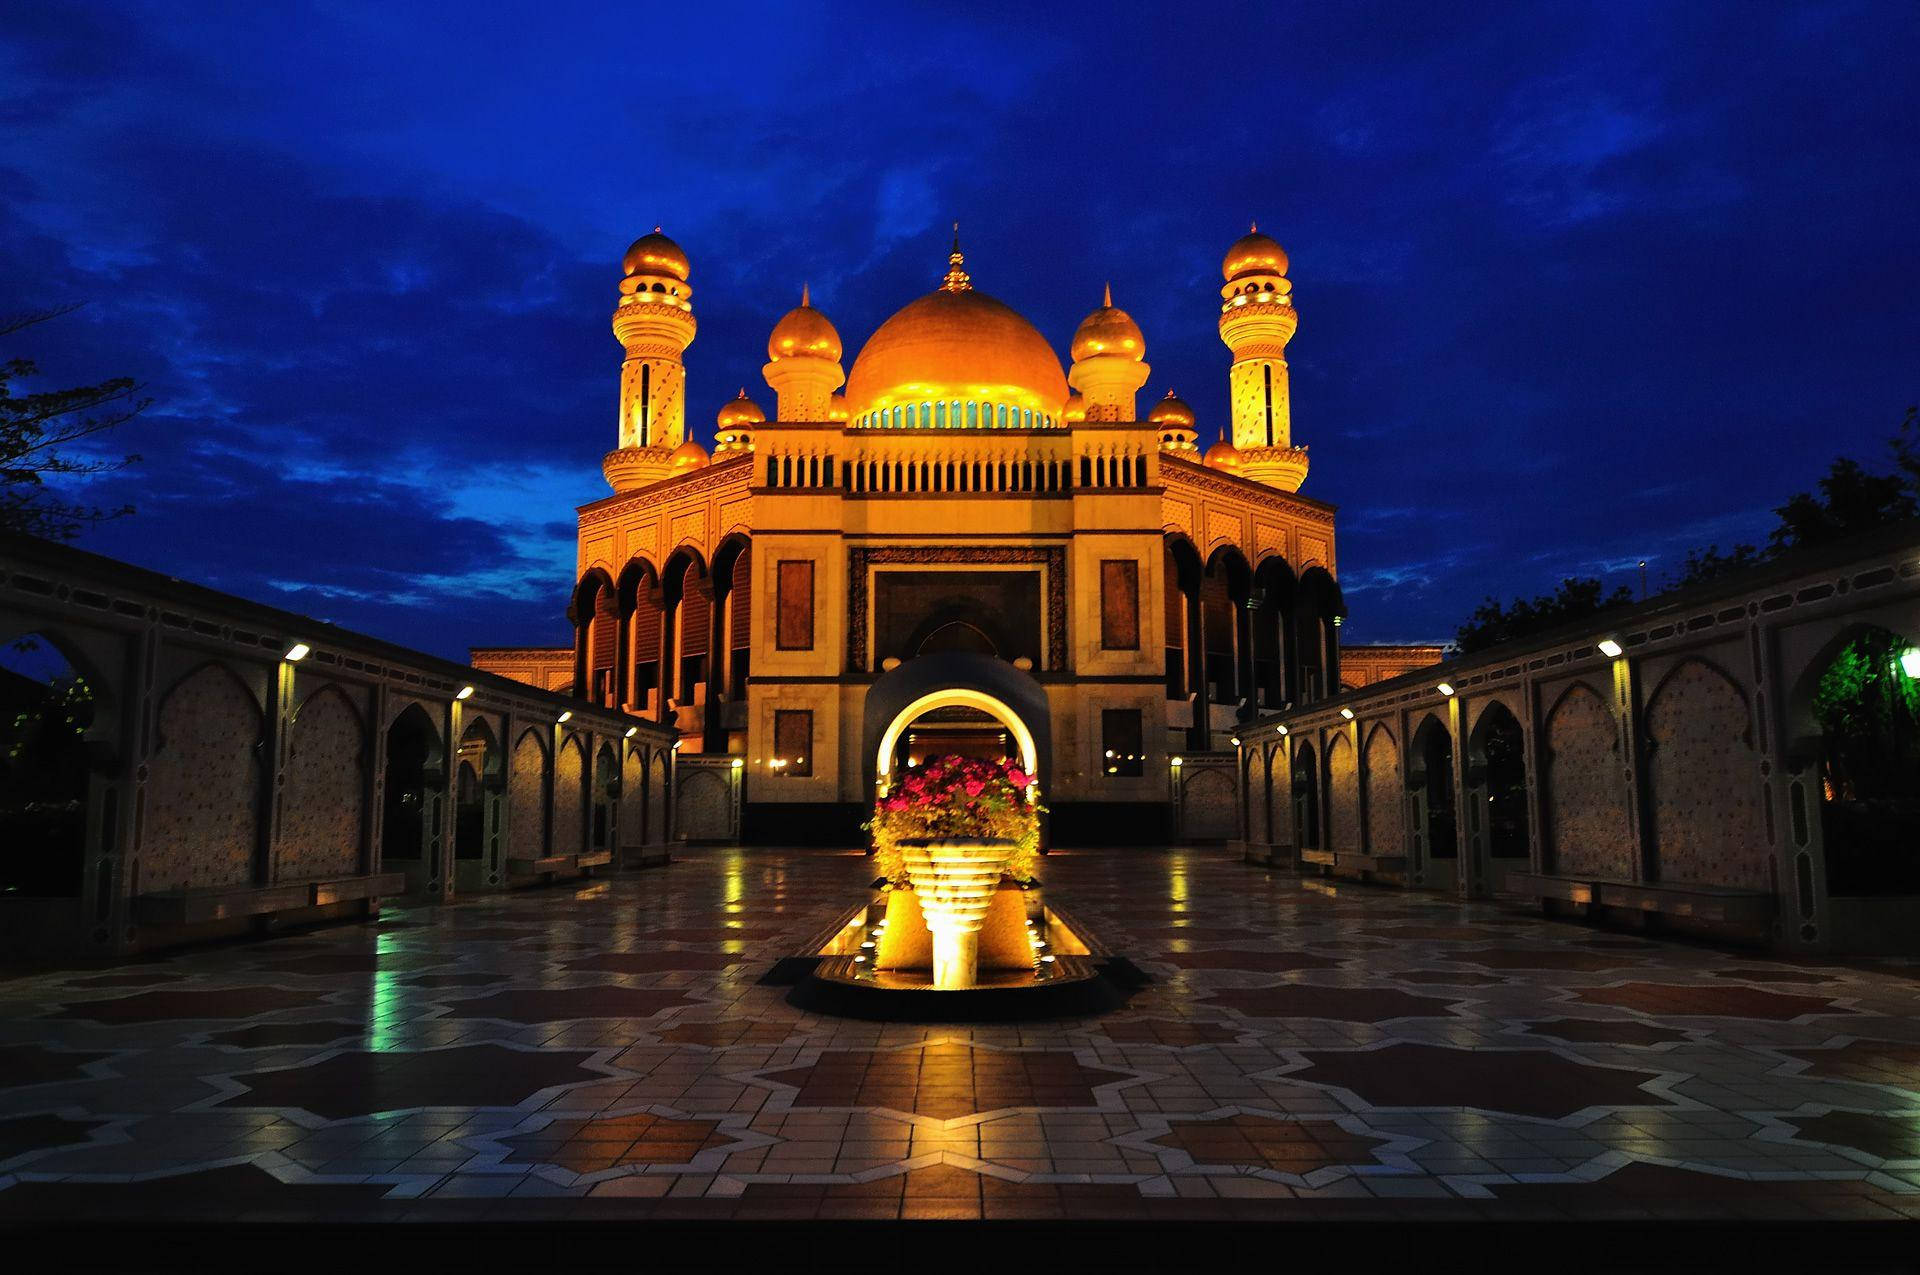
[(690, 456), (1075, 410), (1223, 456), (1109, 330), (655, 254), (957, 343), (740, 411), (804, 332), (1171, 411), (1253, 253), (837, 408)]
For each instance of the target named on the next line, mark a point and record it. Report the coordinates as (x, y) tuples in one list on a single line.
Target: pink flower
[(1018, 777), (974, 788)]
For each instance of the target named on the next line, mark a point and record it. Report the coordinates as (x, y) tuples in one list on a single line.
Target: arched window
[(940, 415), (646, 403), (973, 416)]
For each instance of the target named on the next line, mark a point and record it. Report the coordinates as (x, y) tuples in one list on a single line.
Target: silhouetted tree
[(42, 436), (1494, 621)]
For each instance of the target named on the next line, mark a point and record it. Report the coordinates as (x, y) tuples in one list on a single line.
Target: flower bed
[(955, 796)]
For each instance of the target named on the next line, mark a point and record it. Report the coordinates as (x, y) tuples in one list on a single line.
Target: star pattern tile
[(606, 1000), (1524, 1081), (1603, 1031), (945, 1080), (1344, 1004), (156, 1007), (359, 1082), (1873, 1062), (1297, 1147), (594, 1146), (35, 1065), (1884, 1137), (1709, 1000)]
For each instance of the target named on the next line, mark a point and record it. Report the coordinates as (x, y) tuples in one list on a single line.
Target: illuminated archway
[(956, 697)]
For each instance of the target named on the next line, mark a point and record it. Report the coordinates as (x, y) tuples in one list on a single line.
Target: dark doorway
[(410, 823), (1306, 798), (46, 709)]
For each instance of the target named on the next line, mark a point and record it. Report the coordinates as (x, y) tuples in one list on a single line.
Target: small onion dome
[(804, 332), (1076, 409), (655, 254), (1108, 330), (1253, 253), (690, 456), (837, 408), (1171, 412), (739, 412), (1223, 456)]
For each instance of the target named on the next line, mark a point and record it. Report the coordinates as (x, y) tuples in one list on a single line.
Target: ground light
[(1910, 662)]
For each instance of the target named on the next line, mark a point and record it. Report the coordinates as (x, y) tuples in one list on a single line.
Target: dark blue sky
[(1577, 284)]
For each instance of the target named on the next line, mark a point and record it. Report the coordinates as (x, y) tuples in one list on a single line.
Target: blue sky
[(1578, 284)]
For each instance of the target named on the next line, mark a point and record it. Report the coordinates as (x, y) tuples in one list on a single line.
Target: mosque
[(952, 545)]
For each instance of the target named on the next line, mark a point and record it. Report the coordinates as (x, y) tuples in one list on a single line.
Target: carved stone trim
[(1052, 557)]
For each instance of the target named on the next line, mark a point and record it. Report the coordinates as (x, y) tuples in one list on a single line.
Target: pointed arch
[(1705, 791), (323, 794), (203, 814), (1586, 825)]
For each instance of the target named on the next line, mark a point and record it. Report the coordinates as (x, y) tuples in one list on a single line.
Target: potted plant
[(946, 836)]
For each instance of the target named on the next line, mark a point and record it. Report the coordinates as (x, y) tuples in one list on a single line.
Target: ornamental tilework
[(526, 798), (1386, 814), (1701, 762), (1343, 797), (202, 821), (1584, 797), (569, 778), (323, 805)]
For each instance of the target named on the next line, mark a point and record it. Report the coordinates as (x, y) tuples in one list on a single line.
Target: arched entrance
[(962, 693)]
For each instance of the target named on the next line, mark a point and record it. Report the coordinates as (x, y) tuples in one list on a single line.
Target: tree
[(1705, 565), (1851, 502), (46, 435), (1577, 598)]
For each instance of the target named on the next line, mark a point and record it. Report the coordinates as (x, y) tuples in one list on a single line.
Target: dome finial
[(956, 280), (1253, 227), (805, 298), (1106, 298)]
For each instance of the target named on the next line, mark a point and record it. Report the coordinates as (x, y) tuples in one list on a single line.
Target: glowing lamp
[(566, 716), (465, 692), (632, 731), (297, 652), (1910, 661), (1178, 762), (1445, 688), (1347, 713), (1610, 648), (738, 763), (1283, 730), (1236, 741)]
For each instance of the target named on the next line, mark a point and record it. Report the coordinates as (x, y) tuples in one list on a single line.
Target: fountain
[(957, 928)]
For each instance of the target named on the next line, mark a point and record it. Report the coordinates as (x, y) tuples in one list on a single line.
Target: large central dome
[(956, 358)]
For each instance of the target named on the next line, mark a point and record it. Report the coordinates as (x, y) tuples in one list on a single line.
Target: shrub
[(959, 797)]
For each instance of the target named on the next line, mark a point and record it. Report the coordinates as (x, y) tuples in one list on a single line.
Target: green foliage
[(46, 435), (43, 783), (1703, 566), (1851, 502), (1576, 599), (1868, 709)]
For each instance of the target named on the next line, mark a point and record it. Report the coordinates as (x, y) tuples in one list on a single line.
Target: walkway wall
[(1686, 771), (218, 765)]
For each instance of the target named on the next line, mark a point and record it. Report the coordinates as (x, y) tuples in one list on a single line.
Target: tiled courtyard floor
[(1302, 1052)]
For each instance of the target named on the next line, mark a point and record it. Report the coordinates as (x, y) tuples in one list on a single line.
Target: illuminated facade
[(953, 542)]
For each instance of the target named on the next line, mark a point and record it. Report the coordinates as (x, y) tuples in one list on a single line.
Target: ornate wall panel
[(633, 797), (1584, 797), (1343, 797), (527, 800), (1386, 797), (569, 799), (1224, 528), (1268, 539), (1178, 516), (203, 786), (1053, 557), (690, 528), (1705, 781), (702, 806), (657, 800), (1208, 806), (322, 805)]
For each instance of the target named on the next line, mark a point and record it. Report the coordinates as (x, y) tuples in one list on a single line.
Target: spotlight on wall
[(1236, 741), (1283, 730), (465, 692), (566, 717), (1610, 648), (1445, 688), (739, 763), (1178, 762), (1347, 713), (632, 731), (1910, 662), (297, 652)]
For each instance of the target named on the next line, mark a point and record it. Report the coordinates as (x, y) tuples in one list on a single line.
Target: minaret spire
[(956, 280), (1106, 298), (805, 299)]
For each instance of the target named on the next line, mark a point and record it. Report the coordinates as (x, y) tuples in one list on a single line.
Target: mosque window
[(793, 743), (973, 416), (1267, 370), (1124, 743), (940, 415)]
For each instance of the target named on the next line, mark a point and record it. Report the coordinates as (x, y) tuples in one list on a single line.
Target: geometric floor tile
[(269, 1035), (361, 1082), (1523, 1081), (1179, 1033), (151, 978), (36, 1133), (1781, 974), (1253, 962), (1448, 978), (594, 1146), (651, 962), (1696, 1000), (1872, 1062), (724, 1034), (945, 1080), (1346, 1004), (154, 1007), (353, 963), (1661, 1191), (1601, 1031), (1886, 1137), (1508, 958), (32, 1065), (225, 1191), (566, 1003), (1286, 1146)]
